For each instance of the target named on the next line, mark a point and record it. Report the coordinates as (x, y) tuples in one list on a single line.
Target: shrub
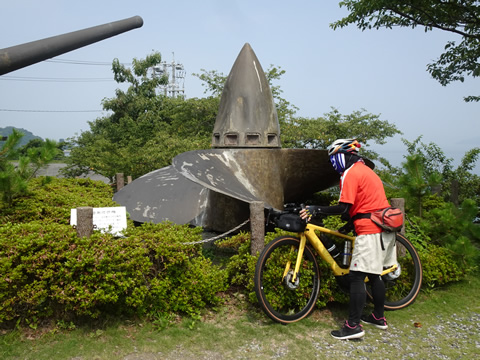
[(182, 279), (49, 271), (453, 228), (46, 271), (439, 267)]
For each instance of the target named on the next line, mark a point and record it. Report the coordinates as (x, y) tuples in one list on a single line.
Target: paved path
[(54, 170)]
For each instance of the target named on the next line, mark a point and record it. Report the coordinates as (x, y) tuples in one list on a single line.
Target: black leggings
[(358, 295)]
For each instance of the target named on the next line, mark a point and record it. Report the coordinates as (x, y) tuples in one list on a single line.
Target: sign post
[(106, 219)]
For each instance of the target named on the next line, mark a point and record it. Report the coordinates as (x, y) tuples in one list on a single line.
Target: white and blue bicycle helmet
[(344, 146), (337, 151)]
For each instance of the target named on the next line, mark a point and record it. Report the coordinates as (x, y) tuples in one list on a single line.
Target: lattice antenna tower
[(176, 77)]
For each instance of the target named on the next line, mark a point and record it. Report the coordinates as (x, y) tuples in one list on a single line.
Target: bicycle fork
[(292, 278)]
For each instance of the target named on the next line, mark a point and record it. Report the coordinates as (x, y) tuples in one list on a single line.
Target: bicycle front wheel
[(403, 286), (281, 299)]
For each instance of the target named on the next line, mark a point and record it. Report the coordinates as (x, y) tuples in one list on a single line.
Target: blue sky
[(383, 72)]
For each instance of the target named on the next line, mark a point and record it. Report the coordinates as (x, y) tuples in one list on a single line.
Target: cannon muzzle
[(20, 56)]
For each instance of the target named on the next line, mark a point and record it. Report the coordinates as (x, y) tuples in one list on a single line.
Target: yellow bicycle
[(287, 276)]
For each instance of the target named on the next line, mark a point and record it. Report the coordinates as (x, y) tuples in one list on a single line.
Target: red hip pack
[(389, 219)]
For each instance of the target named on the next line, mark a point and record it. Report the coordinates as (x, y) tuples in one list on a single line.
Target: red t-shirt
[(363, 189)]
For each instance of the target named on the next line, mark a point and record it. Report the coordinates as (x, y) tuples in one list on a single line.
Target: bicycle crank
[(394, 274)]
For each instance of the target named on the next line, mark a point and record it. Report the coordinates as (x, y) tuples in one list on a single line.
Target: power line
[(50, 111), (42, 79), (82, 62), (65, 61)]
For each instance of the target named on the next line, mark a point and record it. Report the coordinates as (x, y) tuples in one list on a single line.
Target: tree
[(39, 143), (452, 227), (468, 183), (320, 132), (461, 17), (434, 161), (415, 184), (14, 178)]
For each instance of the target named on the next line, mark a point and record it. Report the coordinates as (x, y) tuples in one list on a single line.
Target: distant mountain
[(25, 139)]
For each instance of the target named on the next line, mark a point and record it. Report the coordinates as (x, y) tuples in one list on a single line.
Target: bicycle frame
[(309, 234)]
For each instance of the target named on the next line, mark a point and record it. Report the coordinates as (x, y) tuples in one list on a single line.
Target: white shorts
[(368, 255)]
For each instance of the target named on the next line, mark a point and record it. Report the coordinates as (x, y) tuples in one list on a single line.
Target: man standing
[(361, 192)]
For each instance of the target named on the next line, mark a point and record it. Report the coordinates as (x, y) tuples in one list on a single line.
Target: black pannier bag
[(290, 222)]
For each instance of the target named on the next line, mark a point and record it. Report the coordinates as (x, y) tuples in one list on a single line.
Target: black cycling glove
[(340, 209)]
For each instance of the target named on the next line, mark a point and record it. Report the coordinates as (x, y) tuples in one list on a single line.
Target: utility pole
[(175, 73)]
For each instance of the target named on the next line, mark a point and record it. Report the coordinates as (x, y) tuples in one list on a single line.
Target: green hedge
[(47, 271)]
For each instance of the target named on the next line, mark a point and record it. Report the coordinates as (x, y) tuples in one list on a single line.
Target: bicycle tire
[(402, 291), (280, 302)]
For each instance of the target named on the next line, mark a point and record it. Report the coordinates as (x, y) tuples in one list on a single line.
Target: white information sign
[(106, 219)]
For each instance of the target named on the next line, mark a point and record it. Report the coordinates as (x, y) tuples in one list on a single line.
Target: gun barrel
[(20, 56)]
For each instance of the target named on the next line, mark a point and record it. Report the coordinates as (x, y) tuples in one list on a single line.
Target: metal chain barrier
[(218, 236)]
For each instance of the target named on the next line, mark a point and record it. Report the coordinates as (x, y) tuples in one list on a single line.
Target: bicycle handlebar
[(287, 209)]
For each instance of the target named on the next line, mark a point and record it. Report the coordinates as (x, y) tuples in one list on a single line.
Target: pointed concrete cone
[(247, 116)]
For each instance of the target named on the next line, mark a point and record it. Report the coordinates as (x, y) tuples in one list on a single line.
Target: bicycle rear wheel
[(283, 301), (401, 291)]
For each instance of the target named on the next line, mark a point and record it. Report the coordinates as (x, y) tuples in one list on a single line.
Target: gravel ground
[(455, 337)]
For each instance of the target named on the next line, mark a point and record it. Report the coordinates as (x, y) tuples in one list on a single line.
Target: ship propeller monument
[(213, 188)]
